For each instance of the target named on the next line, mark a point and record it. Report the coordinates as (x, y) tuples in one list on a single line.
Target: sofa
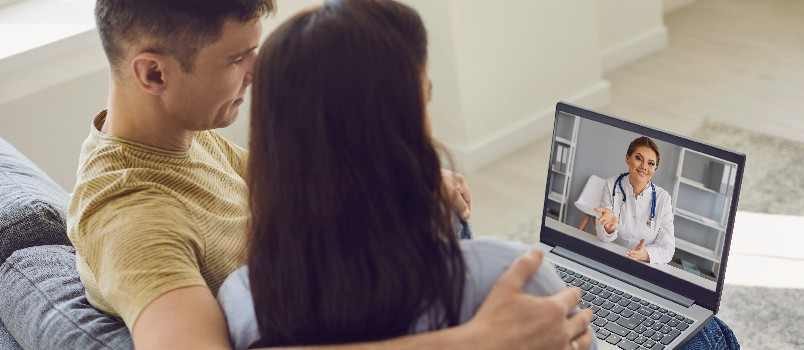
[(43, 304)]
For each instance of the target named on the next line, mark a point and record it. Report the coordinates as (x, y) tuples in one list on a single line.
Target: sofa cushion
[(7, 342), (32, 206), (44, 306)]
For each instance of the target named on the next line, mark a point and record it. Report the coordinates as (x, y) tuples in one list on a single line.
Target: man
[(159, 214)]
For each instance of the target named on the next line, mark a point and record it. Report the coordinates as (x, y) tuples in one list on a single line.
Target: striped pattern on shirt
[(146, 220)]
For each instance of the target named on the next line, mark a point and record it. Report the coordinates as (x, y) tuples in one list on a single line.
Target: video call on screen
[(701, 187)]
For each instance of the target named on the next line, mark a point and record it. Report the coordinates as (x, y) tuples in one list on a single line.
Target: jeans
[(462, 228), (715, 335)]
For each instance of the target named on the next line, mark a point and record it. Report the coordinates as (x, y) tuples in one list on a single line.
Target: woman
[(636, 213), (352, 234)]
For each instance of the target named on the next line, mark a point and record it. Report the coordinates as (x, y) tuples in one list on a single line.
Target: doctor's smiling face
[(643, 160)]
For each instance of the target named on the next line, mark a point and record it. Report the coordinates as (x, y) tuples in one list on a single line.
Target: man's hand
[(511, 319), (456, 187), (608, 219), (639, 253)]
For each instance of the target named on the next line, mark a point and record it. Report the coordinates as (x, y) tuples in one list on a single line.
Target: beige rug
[(764, 287), (773, 181)]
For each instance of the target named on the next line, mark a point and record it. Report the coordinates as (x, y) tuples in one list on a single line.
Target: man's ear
[(149, 72)]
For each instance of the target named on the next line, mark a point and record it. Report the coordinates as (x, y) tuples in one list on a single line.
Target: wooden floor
[(737, 61)]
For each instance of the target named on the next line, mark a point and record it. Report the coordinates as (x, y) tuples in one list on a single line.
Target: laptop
[(640, 305)]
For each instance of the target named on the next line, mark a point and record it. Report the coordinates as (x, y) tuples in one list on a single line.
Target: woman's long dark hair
[(352, 237)]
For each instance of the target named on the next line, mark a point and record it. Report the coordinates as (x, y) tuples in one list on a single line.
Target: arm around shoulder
[(508, 319), (463, 336)]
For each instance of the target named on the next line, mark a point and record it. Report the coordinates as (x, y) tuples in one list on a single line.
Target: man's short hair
[(178, 28)]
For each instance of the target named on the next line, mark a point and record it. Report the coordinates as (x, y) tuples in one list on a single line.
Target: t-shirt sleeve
[(139, 246)]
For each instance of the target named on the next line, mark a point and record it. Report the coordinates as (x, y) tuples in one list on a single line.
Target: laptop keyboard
[(623, 319)]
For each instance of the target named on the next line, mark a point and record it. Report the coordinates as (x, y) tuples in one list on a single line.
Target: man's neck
[(141, 120)]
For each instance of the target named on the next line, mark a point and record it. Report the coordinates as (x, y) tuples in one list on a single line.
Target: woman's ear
[(148, 69)]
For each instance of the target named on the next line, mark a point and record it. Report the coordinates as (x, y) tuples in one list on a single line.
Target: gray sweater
[(486, 259)]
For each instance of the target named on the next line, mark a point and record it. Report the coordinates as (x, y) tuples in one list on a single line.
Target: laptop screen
[(669, 206)]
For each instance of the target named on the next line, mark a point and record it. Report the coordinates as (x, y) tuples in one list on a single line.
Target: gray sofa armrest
[(43, 304), (7, 342), (32, 206)]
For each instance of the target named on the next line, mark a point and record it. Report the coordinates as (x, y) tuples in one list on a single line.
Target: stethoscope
[(619, 182)]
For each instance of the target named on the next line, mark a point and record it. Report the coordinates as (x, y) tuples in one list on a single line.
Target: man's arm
[(508, 319), (185, 318)]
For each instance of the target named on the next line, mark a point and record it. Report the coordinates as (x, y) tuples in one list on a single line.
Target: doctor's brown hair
[(178, 28), (351, 232), (646, 142)]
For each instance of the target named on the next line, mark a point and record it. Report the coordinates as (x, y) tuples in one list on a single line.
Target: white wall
[(511, 65), (498, 69), (629, 30)]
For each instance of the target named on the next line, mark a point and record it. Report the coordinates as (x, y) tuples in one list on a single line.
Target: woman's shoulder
[(611, 180), (662, 194), (237, 280), (233, 290), (238, 306), (491, 250), (488, 258)]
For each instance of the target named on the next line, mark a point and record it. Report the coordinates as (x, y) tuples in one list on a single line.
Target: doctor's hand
[(458, 191), (639, 253), (607, 219)]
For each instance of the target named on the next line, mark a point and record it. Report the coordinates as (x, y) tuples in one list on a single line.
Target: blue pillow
[(32, 206)]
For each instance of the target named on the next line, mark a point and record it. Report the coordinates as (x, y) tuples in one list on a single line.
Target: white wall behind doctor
[(498, 70)]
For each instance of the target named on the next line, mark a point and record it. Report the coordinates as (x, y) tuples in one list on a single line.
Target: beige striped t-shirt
[(146, 220)]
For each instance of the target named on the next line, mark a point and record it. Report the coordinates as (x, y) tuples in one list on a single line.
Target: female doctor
[(635, 213)]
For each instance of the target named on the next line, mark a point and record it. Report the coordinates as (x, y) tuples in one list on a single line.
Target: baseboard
[(524, 132), (633, 49), (670, 6)]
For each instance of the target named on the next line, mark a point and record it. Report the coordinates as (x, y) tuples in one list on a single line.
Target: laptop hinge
[(622, 276)]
